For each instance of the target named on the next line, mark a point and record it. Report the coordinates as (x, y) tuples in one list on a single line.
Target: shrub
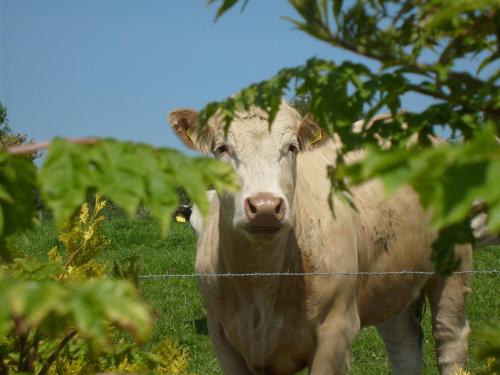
[(64, 316)]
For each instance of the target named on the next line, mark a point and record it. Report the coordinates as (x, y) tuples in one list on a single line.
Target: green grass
[(180, 312)]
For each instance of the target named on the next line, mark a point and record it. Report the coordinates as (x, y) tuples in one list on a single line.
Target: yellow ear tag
[(189, 134), (180, 219), (317, 137)]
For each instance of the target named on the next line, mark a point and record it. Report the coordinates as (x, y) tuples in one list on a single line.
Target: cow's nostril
[(278, 207), (253, 210)]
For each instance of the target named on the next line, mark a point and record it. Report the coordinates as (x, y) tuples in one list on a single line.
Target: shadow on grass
[(201, 326)]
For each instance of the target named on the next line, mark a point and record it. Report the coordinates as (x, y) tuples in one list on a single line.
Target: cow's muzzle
[(265, 212)]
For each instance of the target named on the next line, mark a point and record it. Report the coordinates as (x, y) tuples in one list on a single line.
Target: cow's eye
[(220, 149), (293, 148)]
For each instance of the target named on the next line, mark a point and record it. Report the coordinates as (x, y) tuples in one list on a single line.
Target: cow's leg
[(229, 360), (449, 322), (334, 340), (403, 337)]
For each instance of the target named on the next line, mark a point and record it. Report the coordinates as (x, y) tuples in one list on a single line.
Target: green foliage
[(166, 358), (47, 305), (180, 313), (82, 242), (417, 46), (226, 5), (128, 269), (53, 308), (433, 172), (129, 174), (175, 357), (7, 137), (302, 104), (489, 347), (60, 316), (17, 205), (3, 115), (37, 312)]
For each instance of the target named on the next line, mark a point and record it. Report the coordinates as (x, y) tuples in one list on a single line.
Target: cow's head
[(263, 158)]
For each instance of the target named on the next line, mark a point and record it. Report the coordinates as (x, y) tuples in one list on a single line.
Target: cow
[(279, 222)]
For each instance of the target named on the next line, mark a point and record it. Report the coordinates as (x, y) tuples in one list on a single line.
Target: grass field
[(180, 310)]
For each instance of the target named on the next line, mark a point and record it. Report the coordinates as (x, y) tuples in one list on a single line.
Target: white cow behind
[(279, 222)]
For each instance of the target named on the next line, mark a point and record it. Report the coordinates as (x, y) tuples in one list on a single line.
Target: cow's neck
[(255, 310), (242, 255)]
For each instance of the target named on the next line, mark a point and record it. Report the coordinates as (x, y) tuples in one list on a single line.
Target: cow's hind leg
[(403, 337), (449, 322)]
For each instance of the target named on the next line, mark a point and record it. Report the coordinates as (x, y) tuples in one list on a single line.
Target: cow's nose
[(264, 210)]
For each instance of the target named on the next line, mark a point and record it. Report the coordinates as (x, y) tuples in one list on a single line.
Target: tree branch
[(404, 8), (22, 331), (22, 344), (4, 370), (440, 95), (456, 42), (56, 352), (418, 68), (33, 353), (39, 146)]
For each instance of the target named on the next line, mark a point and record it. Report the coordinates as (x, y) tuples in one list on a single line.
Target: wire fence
[(299, 274)]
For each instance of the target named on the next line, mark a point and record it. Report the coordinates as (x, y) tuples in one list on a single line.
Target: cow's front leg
[(334, 340), (230, 361)]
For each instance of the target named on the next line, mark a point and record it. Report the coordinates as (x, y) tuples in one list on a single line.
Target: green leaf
[(30, 269), (88, 313), (88, 306), (129, 174), (5, 318), (5, 196), (494, 56), (122, 305), (119, 173), (1, 221), (337, 7), (65, 177), (17, 180), (35, 300), (488, 348), (225, 6)]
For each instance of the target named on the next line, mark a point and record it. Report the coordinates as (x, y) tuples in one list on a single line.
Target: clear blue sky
[(116, 68)]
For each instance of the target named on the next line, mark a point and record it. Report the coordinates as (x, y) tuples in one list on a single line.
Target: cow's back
[(390, 235)]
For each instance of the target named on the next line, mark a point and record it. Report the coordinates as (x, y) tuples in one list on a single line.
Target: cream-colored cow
[(279, 221)]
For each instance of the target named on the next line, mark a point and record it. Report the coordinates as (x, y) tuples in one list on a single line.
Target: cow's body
[(281, 324)]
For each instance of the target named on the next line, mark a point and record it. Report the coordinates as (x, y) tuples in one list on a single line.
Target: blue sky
[(116, 68)]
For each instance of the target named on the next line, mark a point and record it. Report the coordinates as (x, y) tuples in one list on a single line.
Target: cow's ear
[(310, 134), (185, 123)]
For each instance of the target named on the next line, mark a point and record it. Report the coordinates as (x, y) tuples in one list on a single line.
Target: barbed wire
[(288, 274)]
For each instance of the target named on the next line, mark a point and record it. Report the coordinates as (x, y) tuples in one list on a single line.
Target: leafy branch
[(3, 367), (417, 45), (316, 24), (47, 300), (52, 358)]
